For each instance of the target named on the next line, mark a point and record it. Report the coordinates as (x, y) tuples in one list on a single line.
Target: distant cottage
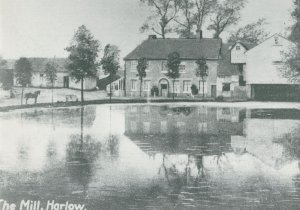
[(236, 70)]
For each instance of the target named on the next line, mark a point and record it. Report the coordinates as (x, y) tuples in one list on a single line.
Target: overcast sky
[(43, 28)]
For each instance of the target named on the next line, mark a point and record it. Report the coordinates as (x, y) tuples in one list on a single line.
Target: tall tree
[(173, 64), (83, 56), (51, 75), (110, 63), (295, 30), (163, 12), (185, 19), (250, 33), (6, 76), (203, 9), (2, 63), (141, 69), (226, 13), (201, 71), (23, 74)]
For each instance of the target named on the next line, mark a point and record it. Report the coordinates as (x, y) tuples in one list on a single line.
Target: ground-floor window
[(133, 85), (187, 86), (176, 87), (226, 87), (203, 84), (146, 85)]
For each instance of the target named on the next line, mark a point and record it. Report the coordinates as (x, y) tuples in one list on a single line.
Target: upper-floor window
[(41, 75), (182, 68), (133, 65), (238, 47), (164, 67), (226, 87), (276, 40)]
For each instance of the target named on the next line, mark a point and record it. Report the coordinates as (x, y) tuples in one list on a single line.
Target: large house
[(63, 80), (235, 70), (157, 51)]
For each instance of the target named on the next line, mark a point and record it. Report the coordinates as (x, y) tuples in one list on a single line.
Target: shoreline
[(249, 104)]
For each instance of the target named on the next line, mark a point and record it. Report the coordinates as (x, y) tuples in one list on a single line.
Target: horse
[(32, 95)]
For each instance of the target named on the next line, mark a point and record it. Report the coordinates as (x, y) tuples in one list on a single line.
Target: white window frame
[(144, 85), (133, 66), (176, 86), (164, 68), (189, 86), (133, 81), (201, 86), (182, 65)]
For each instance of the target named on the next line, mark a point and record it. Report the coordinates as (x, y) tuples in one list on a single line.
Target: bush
[(194, 89), (220, 98), (154, 91)]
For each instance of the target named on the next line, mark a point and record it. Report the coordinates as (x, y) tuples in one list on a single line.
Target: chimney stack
[(199, 34)]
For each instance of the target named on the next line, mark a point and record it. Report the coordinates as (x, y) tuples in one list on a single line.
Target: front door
[(164, 90), (213, 91), (66, 82)]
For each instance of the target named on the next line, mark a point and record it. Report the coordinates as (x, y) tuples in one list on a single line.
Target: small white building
[(117, 87)]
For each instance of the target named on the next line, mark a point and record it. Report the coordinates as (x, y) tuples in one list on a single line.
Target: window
[(242, 82), (164, 68), (146, 127), (133, 85), (238, 47), (133, 126), (163, 127), (276, 40), (182, 68), (187, 86), (226, 87), (41, 75), (133, 65), (202, 84), (202, 127), (146, 85), (176, 87), (148, 65)]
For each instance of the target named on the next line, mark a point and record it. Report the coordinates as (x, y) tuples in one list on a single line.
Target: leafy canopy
[(201, 70), (23, 71), (110, 60), (51, 71), (141, 67), (83, 54), (173, 64)]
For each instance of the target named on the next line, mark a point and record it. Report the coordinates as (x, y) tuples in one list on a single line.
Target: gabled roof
[(158, 49), (39, 64), (225, 67), (247, 46)]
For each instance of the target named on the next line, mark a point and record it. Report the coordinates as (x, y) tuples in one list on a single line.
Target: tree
[(163, 12), (110, 63), (226, 13), (2, 63), (250, 33), (141, 69), (295, 30), (83, 56), (185, 19), (6, 76), (173, 64), (51, 74), (23, 71), (201, 71), (203, 9)]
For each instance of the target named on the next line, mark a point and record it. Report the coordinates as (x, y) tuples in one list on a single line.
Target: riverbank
[(167, 101)]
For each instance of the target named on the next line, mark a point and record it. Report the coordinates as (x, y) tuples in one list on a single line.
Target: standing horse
[(32, 95)]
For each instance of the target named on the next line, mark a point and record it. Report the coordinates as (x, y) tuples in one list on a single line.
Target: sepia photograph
[(149, 104)]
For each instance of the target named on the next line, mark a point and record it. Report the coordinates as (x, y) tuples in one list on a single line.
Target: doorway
[(164, 87), (66, 82), (213, 91)]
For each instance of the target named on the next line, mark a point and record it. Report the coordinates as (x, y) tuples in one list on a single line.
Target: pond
[(151, 157)]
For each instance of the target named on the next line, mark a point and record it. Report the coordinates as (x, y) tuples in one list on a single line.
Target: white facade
[(238, 54), (265, 61)]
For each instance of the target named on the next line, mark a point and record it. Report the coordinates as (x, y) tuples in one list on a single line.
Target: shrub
[(194, 89), (154, 91)]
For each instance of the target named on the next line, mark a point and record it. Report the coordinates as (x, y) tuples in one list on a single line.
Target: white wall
[(88, 84), (260, 68), (238, 56)]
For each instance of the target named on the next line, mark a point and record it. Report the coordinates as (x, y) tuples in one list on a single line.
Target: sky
[(44, 28)]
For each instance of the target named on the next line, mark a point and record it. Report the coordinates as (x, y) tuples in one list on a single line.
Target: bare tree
[(226, 13), (203, 9), (164, 11), (185, 19)]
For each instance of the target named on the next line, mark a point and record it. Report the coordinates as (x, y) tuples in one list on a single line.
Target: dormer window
[(276, 40), (238, 47)]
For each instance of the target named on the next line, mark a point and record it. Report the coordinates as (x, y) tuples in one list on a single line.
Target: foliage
[(6, 78), (295, 30), (201, 70), (51, 72), (250, 33), (23, 71), (194, 89), (83, 56), (110, 59), (3, 63), (141, 69), (226, 13), (185, 19), (173, 64), (154, 91), (163, 12)]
